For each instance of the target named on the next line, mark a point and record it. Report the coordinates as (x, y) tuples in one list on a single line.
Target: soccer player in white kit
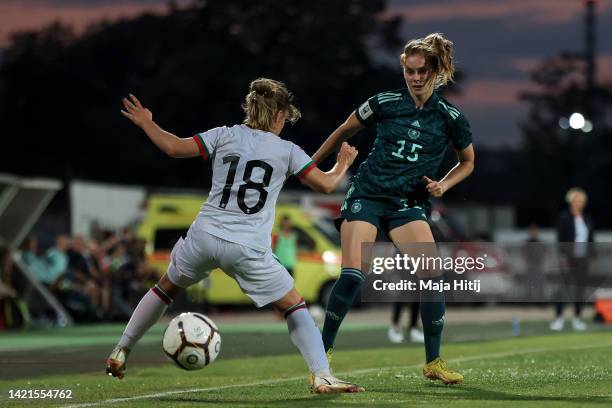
[(233, 228)]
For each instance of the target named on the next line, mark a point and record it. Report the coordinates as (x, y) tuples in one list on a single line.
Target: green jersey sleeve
[(461, 136)]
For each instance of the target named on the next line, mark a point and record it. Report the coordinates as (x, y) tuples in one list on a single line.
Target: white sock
[(151, 307), (307, 338)]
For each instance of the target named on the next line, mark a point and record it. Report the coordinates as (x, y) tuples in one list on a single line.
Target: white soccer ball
[(192, 341), (317, 313)]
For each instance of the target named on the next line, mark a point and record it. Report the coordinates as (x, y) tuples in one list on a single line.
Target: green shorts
[(385, 213)]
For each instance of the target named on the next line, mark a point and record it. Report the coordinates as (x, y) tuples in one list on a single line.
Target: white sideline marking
[(354, 372)]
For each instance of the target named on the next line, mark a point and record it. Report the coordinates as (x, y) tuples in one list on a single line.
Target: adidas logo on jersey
[(413, 133)]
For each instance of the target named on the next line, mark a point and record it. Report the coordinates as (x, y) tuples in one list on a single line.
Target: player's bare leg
[(306, 337), (151, 307)]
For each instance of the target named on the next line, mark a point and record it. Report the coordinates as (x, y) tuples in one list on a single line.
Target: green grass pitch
[(560, 370)]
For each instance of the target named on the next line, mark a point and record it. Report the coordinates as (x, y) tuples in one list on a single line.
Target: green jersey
[(286, 249), (410, 143)]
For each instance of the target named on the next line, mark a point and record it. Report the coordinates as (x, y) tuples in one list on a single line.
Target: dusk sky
[(497, 42)]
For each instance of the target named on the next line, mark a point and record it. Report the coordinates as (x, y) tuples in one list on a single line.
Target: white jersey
[(249, 169)]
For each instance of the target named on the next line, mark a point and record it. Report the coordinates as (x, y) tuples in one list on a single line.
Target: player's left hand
[(435, 188), (346, 155), (135, 112)]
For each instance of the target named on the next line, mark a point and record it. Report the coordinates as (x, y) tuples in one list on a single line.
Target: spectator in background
[(14, 313), (533, 233), (56, 258), (37, 265), (54, 270), (284, 244), (533, 254), (6, 274), (395, 332), (122, 271), (101, 257), (92, 279), (574, 226), (86, 277)]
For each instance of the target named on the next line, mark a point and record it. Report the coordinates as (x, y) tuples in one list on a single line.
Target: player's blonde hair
[(438, 54), (266, 97), (572, 192)]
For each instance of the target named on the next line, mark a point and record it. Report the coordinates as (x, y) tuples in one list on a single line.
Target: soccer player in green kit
[(392, 187)]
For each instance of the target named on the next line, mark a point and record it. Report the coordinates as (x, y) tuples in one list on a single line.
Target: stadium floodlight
[(330, 257), (576, 120), (564, 123), (588, 126)]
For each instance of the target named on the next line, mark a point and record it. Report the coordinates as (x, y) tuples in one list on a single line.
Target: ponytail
[(265, 98)]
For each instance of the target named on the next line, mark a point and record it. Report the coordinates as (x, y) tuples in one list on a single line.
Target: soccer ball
[(317, 313), (192, 341)]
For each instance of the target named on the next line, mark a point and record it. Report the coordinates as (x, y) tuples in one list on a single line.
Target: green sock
[(340, 301), (432, 316)]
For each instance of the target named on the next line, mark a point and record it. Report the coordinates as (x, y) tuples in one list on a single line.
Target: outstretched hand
[(346, 155), (135, 112), (435, 188)]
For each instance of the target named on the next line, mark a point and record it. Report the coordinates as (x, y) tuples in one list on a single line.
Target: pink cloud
[(541, 11), (32, 15), (525, 64), (604, 66), (490, 93)]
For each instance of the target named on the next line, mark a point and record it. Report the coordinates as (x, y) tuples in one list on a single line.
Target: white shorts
[(260, 276)]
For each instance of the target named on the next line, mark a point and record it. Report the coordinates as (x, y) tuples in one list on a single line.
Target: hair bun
[(262, 87)]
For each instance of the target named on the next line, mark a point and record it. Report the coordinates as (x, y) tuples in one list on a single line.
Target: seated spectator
[(57, 257), (47, 269), (92, 279), (36, 264), (14, 313), (86, 277), (6, 274), (71, 287)]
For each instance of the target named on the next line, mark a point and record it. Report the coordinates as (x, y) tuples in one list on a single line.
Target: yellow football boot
[(438, 370)]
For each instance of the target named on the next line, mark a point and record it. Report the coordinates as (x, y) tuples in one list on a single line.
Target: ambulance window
[(304, 241), (165, 238)]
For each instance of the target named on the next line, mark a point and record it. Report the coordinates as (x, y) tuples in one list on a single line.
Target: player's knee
[(290, 299), (300, 304), (170, 288)]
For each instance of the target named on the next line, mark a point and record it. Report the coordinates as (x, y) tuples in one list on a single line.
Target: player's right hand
[(135, 112), (347, 154)]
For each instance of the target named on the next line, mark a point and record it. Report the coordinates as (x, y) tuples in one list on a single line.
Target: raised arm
[(464, 168), (344, 132), (170, 144), (327, 182)]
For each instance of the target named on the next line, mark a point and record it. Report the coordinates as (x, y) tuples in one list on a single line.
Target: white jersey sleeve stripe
[(305, 170), (202, 146)]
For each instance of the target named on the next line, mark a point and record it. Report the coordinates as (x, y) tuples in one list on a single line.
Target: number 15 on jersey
[(413, 156)]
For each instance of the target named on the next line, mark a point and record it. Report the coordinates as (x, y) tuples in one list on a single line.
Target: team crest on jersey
[(413, 133), (356, 207)]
